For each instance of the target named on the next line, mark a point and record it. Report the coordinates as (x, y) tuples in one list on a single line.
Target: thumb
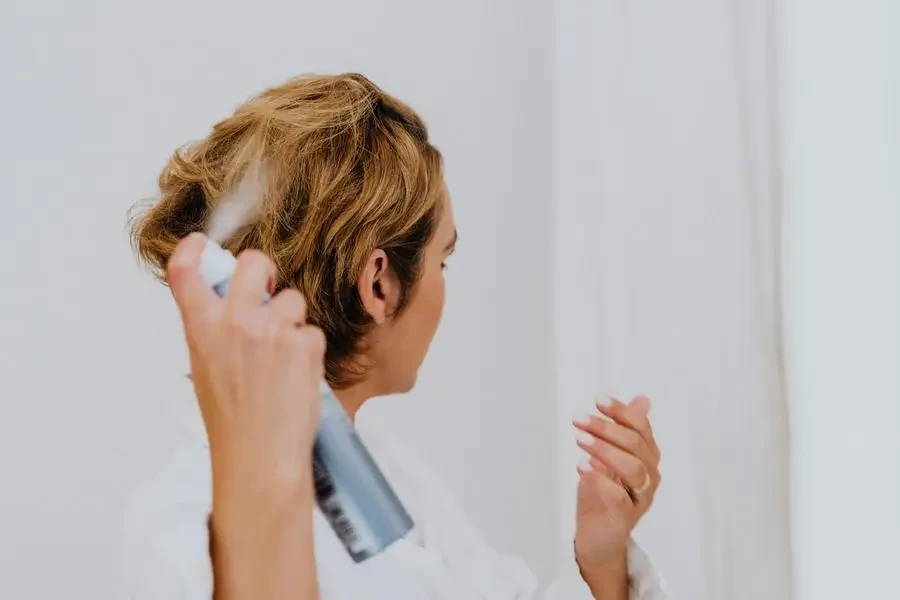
[(641, 404)]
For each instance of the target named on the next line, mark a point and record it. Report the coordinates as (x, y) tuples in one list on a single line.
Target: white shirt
[(443, 558)]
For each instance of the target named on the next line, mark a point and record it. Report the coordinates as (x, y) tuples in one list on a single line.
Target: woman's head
[(354, 213)]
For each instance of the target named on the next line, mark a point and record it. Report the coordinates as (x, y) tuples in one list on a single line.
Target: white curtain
[(667, 271), (841, 93)]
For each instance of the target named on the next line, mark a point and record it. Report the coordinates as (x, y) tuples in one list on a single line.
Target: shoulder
[(166, 540), (442, 526), (180, 490), (396, 457), (408, 471)]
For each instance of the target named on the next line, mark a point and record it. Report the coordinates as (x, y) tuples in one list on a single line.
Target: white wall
[(96, 96), (842, 233)]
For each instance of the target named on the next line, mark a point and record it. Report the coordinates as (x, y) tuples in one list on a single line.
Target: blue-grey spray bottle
[(351, 491)]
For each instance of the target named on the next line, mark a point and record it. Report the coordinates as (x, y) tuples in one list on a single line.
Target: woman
[(355, 219)]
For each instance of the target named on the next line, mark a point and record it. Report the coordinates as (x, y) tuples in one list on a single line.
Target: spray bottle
[(351, 491)]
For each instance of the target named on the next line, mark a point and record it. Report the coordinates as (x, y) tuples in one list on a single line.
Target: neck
[(353, 397)]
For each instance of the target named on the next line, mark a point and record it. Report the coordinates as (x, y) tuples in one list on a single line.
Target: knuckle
[(284, 340), (603, 469), (252, 257), (308, 342), (633, 442), (241, 325), (316, 340), (289, 304), (296, 301), (635, 472), (253, 265), (284, 337)]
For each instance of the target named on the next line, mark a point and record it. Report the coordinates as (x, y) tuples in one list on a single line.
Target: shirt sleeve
[(493, 573), (644, 582)]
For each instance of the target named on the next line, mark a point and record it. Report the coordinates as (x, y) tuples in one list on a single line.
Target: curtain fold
[(668, 268)]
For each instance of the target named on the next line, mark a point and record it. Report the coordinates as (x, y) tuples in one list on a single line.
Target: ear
[(379, 288)]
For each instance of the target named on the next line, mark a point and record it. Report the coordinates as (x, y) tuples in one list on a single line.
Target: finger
[(289, 307), (641, 404), (252, 279), (633, 415), (592, 464), (632, 471), (606, 488), (312, 340), (619, 435), (191, 292)]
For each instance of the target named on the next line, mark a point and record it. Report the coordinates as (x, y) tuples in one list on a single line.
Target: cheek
[(429, 309), (437, 302), (420, 322)]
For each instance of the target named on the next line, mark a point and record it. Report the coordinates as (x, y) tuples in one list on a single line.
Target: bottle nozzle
[(217, 265)]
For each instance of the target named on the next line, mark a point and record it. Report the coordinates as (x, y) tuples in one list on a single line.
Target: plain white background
[(96, 96), (841, 86)]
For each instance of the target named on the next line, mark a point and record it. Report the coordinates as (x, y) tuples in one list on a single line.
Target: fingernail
[(584, 438), (605, 401), (585, 466), (581, 418)]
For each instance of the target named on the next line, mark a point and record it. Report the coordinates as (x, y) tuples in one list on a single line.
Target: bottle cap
[(216, 264)]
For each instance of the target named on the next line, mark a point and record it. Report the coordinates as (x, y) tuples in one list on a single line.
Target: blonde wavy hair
[(348, 169)]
